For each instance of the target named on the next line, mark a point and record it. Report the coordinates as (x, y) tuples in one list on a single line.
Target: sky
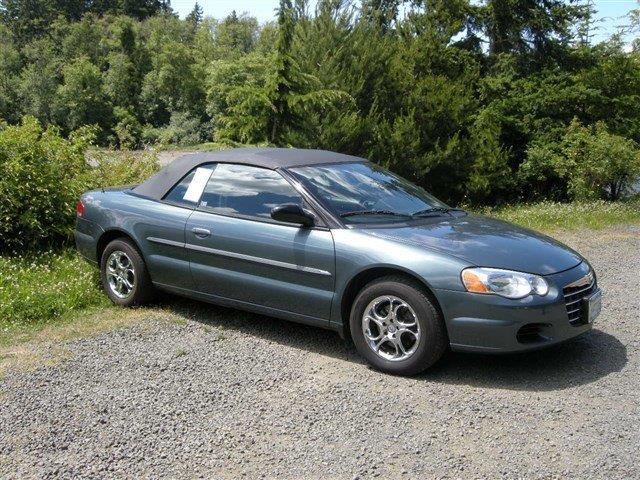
[(610, 11)]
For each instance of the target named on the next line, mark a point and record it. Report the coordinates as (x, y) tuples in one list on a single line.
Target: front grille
[(573, 295)]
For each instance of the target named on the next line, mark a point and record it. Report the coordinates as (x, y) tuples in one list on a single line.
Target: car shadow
[(579, 361)]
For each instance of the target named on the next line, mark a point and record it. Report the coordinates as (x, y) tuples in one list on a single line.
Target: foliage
[(31, 19), (195, 16), (184, 129), (594, 162), (236, 100), (81, 99), (235, 35), (38, 289), (268, 98), (9, 70), (538, 31), (42, 176), (471, 100), (119, 168), (128, 130)]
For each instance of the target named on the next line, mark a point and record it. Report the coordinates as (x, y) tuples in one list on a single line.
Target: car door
[(238, 252), (161, 228)]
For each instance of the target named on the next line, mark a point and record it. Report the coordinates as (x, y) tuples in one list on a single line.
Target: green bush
[(588, 162), (41, 177), (598, 164), (150, 135), (184, 129), (36, 289), (128, 130)]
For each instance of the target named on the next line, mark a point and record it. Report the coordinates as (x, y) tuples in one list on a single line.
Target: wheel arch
[(112, 234), (362, 278)]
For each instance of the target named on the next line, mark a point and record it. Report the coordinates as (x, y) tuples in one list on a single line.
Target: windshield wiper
[(373, 212), (427, 212)]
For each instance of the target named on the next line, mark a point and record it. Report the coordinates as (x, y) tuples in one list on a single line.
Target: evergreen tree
[(283, 82), (538, 31), (196, 15), (235, 35), (380, 13)]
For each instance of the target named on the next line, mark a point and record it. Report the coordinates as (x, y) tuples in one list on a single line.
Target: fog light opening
[(533, 333)]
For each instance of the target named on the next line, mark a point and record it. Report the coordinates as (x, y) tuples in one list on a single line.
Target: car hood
[(486, 242)]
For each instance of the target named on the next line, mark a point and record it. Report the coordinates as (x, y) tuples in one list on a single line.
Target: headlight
[(505, 283)]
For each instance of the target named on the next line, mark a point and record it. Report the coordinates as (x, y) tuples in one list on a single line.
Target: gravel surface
[(220, 394)]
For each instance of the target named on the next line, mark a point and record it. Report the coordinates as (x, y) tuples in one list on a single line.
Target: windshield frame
[(405, 220)]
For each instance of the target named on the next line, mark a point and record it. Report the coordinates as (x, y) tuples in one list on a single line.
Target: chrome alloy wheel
[(120, 274), (391, 328)]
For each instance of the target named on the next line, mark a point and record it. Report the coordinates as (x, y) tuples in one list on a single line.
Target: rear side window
[(247, 191), (188, 191)]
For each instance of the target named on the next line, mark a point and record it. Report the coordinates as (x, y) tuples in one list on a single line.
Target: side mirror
[(292, 213)]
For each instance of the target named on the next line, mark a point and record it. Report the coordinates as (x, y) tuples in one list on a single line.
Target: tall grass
[(36, 289), (552, 216)]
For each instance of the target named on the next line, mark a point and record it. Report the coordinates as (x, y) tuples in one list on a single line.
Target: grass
[(38, 289), (121, 167), (552, 216)]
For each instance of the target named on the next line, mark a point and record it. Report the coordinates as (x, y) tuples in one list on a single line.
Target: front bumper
[(489, 323)]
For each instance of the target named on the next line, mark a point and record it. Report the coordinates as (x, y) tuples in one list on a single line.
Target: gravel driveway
[(199, 391)]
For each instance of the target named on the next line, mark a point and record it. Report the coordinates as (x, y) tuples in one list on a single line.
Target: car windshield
[(365, 193)]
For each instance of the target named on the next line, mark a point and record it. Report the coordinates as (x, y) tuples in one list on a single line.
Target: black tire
[(143, 290), (433, 341)]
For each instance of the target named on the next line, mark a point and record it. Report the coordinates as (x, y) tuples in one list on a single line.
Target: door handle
[(201, 232)]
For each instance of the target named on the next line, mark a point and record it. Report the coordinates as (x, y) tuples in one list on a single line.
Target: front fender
[(358, 252)]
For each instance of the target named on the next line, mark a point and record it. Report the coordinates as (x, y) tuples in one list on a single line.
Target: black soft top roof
[(158, 185)]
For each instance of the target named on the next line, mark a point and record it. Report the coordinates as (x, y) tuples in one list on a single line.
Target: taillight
[(80, 209)]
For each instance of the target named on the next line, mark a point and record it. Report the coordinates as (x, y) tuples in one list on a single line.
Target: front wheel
[(396, 327), (124, 275)]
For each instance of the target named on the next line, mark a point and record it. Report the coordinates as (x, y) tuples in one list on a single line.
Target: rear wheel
[(124, 275), (396, 327)]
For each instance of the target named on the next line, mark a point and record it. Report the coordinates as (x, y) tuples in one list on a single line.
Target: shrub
[(184, 129), (588, 160), (41, 177), (128, 130), (150, 135), (538, 177), (598, 163)]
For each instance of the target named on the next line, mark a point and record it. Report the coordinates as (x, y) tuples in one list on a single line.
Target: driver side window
[(243, 190)]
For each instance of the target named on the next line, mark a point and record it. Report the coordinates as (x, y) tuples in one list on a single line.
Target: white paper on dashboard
[(196, 187)]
